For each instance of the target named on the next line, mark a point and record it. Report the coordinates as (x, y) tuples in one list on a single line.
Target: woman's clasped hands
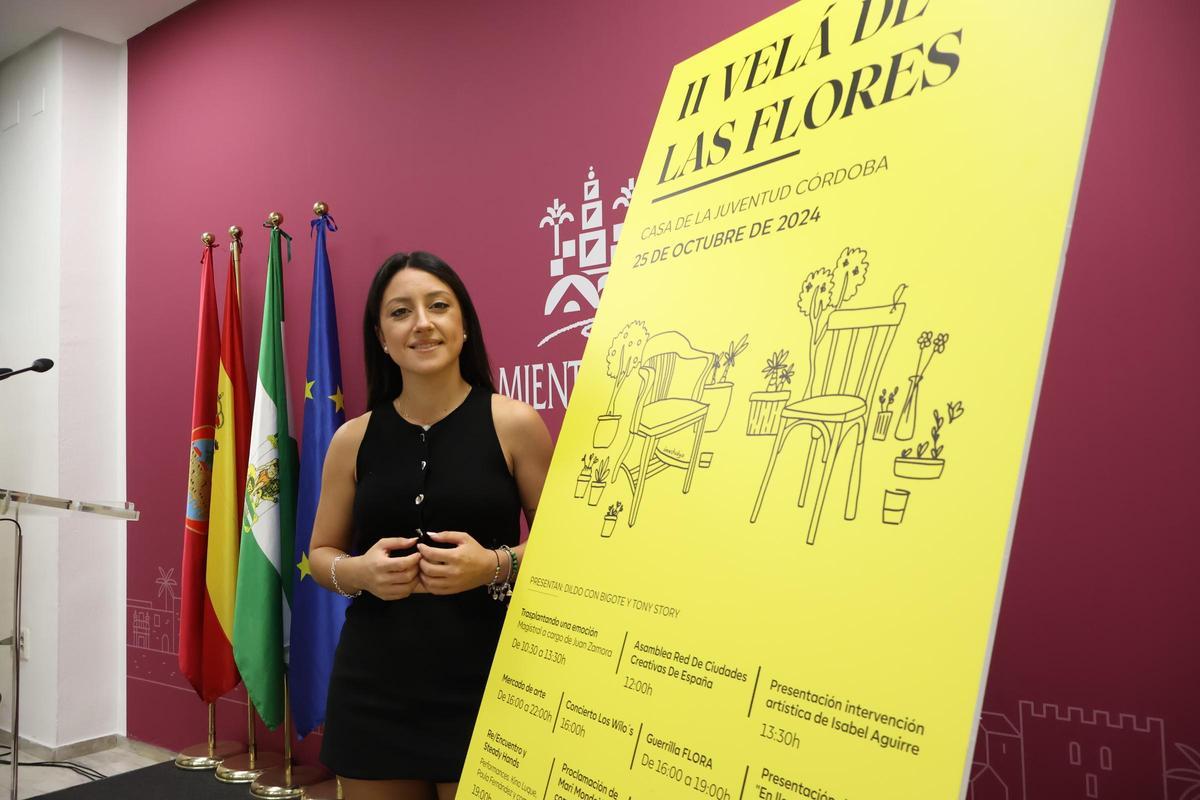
[(462, 565)]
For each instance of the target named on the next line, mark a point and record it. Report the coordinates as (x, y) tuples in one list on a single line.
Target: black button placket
[(423, 464)]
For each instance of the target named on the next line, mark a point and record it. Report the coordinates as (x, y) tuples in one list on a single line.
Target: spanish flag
[(229, 486)]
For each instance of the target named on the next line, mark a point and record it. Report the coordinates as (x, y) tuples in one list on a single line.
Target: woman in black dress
[(419, 522)]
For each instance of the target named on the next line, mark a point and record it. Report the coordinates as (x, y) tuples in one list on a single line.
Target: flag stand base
[(281, 782), (238, 769), (326, 790), (202, 756)]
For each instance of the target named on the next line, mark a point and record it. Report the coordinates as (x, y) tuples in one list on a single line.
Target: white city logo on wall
[(580, 246), (580, 263)]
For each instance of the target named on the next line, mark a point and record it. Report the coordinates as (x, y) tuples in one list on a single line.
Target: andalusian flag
[(261, 618), (200, 464), (228, 489), (317, 614)]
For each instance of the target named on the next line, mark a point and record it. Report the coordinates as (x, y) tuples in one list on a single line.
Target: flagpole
[(287, 781), (211, 753), (332, 788), (235, 247), (245, 767)]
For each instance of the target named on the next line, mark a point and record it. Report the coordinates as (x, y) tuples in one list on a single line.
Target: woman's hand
[(383, 576), (451, 570)]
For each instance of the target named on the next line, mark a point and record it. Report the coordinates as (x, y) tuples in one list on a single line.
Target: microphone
[(39, 365)]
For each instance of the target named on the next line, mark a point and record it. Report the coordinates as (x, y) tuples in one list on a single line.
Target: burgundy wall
[(452, 126)]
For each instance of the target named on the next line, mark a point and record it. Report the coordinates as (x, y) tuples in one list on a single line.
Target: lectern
[(12, 502)]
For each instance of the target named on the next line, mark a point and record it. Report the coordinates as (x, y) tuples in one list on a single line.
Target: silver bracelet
[(501, 591), (333, 577)]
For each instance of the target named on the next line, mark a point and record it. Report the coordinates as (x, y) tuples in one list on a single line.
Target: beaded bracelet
[(333, 577), (502, 591)]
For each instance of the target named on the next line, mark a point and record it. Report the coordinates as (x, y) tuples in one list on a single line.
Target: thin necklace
[(445, 411)]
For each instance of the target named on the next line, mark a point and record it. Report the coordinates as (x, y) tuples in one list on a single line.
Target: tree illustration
[(625, 356), (1189, 775), (166, 583), (556, 214), (826, 290)]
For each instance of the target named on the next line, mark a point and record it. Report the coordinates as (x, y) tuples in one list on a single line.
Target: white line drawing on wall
[(153, 627), (1056, 753), (580, 262)]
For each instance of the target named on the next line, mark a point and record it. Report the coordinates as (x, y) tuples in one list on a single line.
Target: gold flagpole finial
[(208, 239), (235, 233), (274, 219), (320, 209)]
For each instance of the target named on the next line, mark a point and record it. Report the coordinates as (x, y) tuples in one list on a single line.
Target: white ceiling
[(23, 22)]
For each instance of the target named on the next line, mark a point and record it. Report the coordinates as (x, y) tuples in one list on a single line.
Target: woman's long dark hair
[(384, 381)]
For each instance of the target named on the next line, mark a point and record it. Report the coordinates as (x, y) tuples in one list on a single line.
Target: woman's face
[(421, 323)]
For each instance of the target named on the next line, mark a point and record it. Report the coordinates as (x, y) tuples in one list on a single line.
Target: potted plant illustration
[(610, 519), (883, 417), (599, 476), (718, 391), (766, 407), (895, 503), (921, 467), (585, 475), (824, 291), (624, 358), (928, 346)]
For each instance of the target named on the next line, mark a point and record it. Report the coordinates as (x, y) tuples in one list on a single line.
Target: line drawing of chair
[(840, 405), (668, 402)]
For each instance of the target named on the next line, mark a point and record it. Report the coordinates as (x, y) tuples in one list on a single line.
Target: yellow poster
[(768, 555)]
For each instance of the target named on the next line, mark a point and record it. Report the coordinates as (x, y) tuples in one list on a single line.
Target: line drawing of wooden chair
[(668, 402), (840, 405)]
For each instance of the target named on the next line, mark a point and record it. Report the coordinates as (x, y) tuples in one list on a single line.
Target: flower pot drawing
[(717, 396), (907, 423), (610, 519), (766, 410), (606, 430), (918, 469), (883, 421), (594, 492), (581, 483), (895, 503)]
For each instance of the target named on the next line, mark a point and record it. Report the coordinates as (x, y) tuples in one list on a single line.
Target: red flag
[(200, 463), (228, 490)]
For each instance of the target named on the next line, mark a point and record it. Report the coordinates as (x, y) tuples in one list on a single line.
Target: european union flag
[(317, 614)]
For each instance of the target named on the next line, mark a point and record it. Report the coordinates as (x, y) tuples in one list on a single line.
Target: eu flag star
[(308, 389), (337, 399), (304, 567)]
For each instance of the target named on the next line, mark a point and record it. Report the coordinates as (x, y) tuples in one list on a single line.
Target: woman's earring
[(385, 348)]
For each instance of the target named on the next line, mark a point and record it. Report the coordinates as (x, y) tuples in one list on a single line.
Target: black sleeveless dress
[(409, 675)]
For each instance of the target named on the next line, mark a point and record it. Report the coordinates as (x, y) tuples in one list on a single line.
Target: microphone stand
[(40, 365)]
